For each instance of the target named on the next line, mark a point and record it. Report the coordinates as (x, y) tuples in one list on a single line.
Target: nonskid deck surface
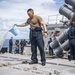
[(11, 64)]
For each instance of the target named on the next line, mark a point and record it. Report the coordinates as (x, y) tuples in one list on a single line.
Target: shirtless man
[(36, 36)]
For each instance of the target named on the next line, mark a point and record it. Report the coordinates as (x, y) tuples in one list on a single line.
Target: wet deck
[(11, 64)]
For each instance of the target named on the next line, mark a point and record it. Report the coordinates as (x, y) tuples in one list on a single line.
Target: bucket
[(14, 31)]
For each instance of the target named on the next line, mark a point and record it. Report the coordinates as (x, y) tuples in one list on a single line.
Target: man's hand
[(45, 35), (18, 25), (15, 24)]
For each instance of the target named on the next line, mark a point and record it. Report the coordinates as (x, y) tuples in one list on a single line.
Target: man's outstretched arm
[(21, 25)]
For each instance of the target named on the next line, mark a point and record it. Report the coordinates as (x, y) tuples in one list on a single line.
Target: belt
[(36, 29)]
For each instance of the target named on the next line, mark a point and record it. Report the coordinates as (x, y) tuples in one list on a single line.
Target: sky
[(15, 12)]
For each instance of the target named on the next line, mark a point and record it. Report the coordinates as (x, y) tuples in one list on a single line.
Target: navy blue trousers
[(36, 39), (10, 49), (72, 49)]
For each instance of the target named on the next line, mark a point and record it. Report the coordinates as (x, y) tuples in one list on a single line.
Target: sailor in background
[(36, 36), (22, 44), (71, 37), (10, 44), (50, 49), (17, 47)]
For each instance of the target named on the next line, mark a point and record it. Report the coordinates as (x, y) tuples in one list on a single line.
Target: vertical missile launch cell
[(60, 43), (70, 2), (66, 11)]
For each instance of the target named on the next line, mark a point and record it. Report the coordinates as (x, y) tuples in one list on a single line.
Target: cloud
[(17, 8)]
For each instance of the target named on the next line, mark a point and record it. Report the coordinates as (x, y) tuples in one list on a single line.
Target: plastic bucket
[(14, 31)]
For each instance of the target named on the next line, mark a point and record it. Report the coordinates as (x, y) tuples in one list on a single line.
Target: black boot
[(43, 63), (33, 62)]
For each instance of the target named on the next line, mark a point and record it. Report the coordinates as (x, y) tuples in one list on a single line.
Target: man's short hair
[(30, 10)]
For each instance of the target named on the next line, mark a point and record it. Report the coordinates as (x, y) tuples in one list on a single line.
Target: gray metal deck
[(11, 64)]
